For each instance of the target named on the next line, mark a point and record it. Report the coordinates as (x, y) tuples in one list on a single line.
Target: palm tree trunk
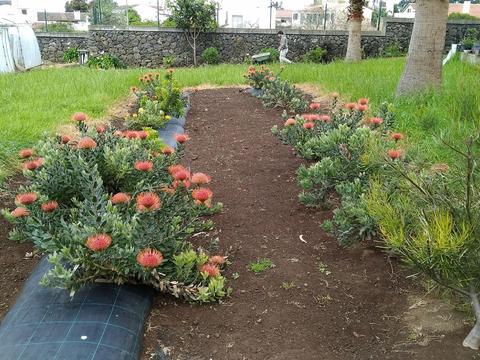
[(354, 47), (425, 53)]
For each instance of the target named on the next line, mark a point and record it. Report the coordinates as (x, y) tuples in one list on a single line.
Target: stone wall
[(147, 47), (52, 46)]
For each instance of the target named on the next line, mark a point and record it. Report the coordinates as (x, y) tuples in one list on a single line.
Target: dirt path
[(319, 301)]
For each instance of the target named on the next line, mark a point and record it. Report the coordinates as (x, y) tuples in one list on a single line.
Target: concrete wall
[(147, 46)]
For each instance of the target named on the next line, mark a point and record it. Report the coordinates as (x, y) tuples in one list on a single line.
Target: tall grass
[(40, 100)]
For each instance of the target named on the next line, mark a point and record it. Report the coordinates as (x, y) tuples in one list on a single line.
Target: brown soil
[(319, 301), (16, 260)]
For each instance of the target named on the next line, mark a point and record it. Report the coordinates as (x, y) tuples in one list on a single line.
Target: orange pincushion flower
[(167, 150), (120, 198), (131, 134), (311, 117), (325, 118), (148, 202), (181, 138), (20, 212), (202, 194), (217, 260), (290, 122), (26, 153), (144, 165), (119, 133), (32, 165), (150, 258), (134, 89), (335, 95), (376, 121), (363, 101), (350, 106), (200, 179), (362, 108), (79, 116), (397, 136), (314, 106), (99, 242), (86, 143), (210, 270), (177, 183), (394, 154), (308, 125), (100, 129), (65, 139), (174, 168), (181, 175), (49, 207), (26, 198)]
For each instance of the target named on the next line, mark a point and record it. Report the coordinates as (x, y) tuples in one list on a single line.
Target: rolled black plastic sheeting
[(101, 322), (175, 126), (255, 92)]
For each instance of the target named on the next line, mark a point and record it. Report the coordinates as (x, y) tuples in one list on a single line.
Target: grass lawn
[(40, 100)]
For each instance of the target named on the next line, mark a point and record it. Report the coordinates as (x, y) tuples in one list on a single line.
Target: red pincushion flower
[(350, 106), (181, 175), (174, 168), (290, 122), (362, 108), (86, 143), (394, 154), (26, 153), (32, 165), (144, 165), (131, 134), (26, 198), (200, 179), (325, 118), (181, 138), (65, 139), (167, 150), (314, 106), (79, 116), (308, 125), (150, 258), (142, 134), (363, 101), (202, 194), (210, 270), (148, 202), (120, 198), (177, 183), (99, 242), (376, 121), (49, 207), (217, 260), (20, 212), (100, 129), (397, 136), (311, 117)]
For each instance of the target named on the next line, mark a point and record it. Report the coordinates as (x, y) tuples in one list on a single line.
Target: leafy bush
[(258, 77), (470, 38), (58, 28), (392, 50), (280, 93), (105, 62), (274, 54), (70, 55), (169, 61), (315, 56), (428, 217), (460, 16), (106, 205), (211, 56)]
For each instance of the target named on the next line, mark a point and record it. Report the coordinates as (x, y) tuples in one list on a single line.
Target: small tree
[(133, 16), (76, 5), (355, 17), (193, 17)]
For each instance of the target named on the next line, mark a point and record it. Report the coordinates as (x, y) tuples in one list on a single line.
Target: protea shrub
[(95, 206)]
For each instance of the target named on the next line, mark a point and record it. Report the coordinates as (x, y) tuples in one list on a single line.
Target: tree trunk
[(195, 51), (354, 47), (472, 341), (425, 53)]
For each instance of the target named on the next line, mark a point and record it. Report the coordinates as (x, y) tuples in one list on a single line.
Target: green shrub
[(58, 28), (460, 16), (274, 54), (70, 55), (315, 56), (470, 38), (211, 56), (105, 62), (105, 206), (279, 93), (393, 49), (169, 61), (169, 23)]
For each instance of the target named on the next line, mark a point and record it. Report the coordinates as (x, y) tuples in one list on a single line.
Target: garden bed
[(319, 300)]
